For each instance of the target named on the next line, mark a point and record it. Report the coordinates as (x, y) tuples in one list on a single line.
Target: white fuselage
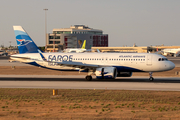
[(134, 62)]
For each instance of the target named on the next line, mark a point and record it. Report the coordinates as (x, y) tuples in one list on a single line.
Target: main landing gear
[(88, 78), (150, 76)]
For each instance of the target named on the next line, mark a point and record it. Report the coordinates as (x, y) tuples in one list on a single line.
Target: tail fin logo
[(22, 42)]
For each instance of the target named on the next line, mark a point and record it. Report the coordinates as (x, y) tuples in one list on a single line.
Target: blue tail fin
[(24, 42)]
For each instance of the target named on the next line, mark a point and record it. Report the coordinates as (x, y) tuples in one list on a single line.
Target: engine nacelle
[(124, 74), (106, 73)]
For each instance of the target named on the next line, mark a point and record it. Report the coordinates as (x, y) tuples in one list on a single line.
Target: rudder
[(24, 42), (84, 45)]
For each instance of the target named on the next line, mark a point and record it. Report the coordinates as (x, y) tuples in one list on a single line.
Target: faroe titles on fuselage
[(60, 58)]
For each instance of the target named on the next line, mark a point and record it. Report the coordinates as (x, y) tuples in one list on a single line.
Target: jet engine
[(106, 73)]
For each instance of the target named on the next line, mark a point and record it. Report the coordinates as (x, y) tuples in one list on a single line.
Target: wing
[(80, 65), (76, 65)]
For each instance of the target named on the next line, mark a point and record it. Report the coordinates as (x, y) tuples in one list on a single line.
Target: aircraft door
[(104, 60), (149, 60)]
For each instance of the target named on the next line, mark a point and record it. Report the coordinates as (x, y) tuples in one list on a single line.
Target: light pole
[(10, 44), (45, 23)]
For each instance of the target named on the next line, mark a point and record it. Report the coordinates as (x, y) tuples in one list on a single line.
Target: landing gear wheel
[(88, 78), (151, 79), (150, 76)]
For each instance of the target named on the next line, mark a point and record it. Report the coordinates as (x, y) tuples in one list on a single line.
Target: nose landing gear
[(150, 76)]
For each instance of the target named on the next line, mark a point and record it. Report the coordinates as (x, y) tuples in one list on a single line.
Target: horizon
[(129, 22)]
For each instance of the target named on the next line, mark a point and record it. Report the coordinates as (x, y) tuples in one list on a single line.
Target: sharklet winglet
[(42, 56)]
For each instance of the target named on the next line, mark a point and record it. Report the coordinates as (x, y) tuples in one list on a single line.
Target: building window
[(50, 46), (50, 37), (57, 37), (59, 32), (57, 42), (50, 42), (67, 32)]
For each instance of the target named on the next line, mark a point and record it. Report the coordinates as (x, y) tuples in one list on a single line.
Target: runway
[(78, 82), (4, 62)]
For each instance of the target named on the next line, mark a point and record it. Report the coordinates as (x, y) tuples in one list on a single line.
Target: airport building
[(135, 49), (74, 37)]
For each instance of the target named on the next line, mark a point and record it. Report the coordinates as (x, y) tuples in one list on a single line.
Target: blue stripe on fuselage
[(119, 68), (127, 69)]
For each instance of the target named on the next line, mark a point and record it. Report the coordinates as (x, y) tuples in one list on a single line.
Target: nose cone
[(170, 65)]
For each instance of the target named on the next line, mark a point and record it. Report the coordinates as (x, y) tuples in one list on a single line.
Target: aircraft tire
[(88, 78), (151, 79)]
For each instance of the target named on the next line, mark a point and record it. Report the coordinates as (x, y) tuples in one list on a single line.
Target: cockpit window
[(162, 59)]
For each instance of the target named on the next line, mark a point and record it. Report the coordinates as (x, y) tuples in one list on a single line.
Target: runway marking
[(134, 83)]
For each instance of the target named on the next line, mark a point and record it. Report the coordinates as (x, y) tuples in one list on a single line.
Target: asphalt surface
[(78, 82), (4, 57)]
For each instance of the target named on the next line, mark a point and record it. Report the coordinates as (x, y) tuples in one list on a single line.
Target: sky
[(143, 22)]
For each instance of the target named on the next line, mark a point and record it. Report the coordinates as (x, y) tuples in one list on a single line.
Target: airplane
[(172, 52), (76, 50), (3, 53), (102, 65)]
